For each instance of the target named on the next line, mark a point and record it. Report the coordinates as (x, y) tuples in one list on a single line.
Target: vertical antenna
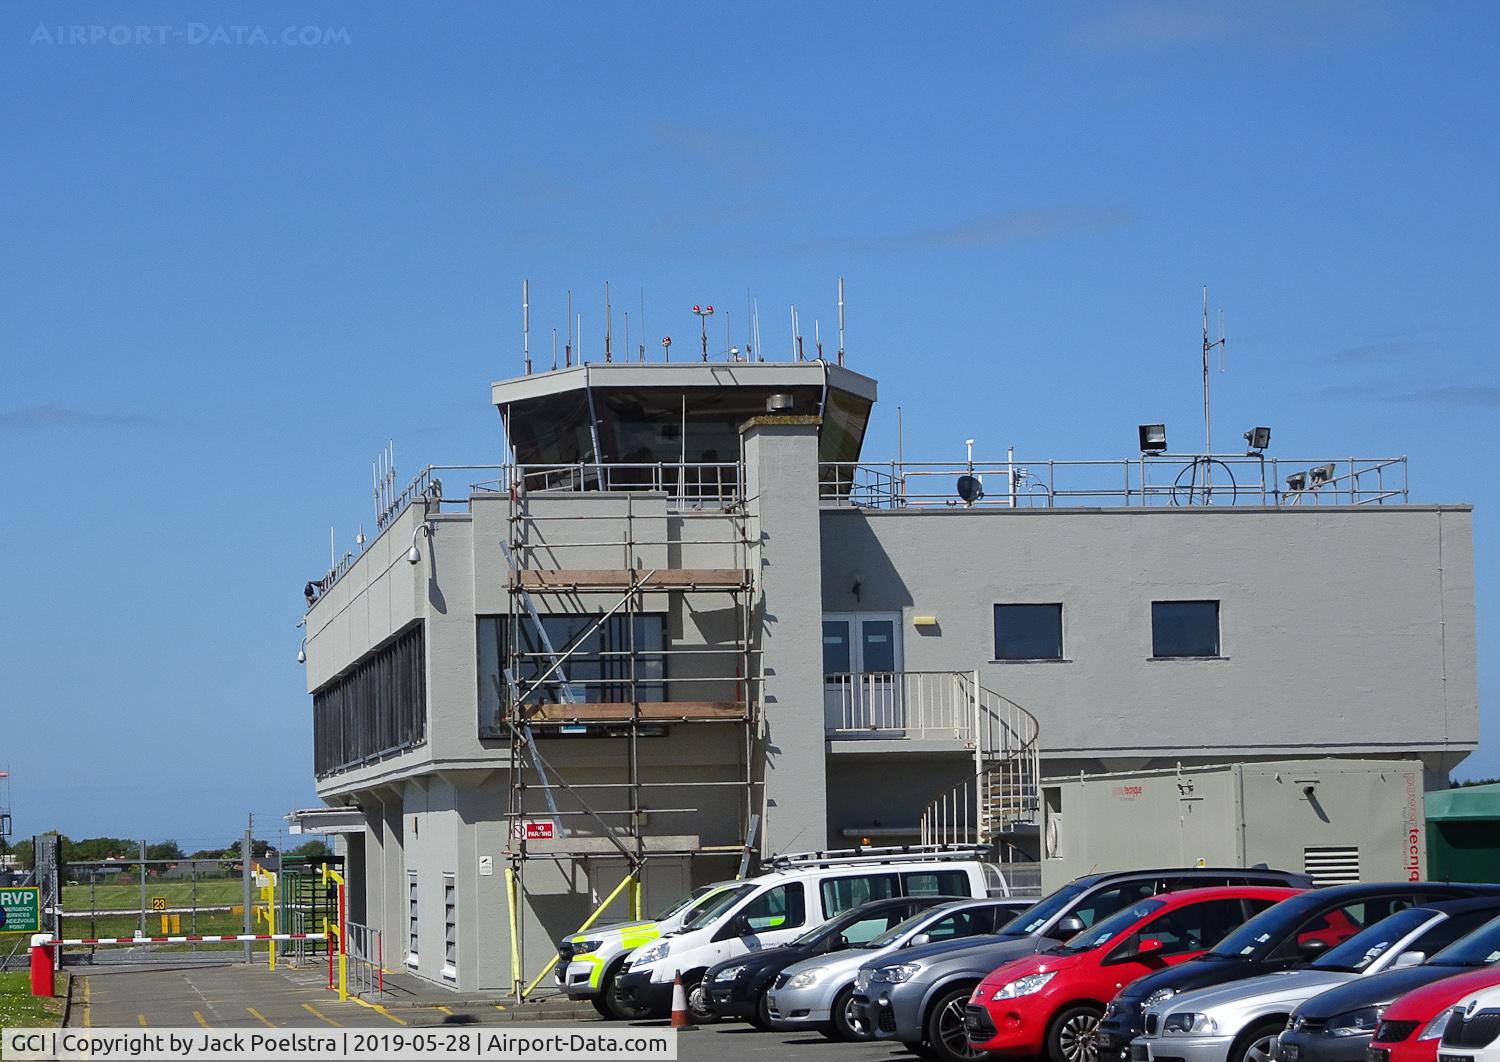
[(578, 336), (818, 337), (333, 551), (1223, 347), (526, 323), (568, 346), (627, 334), (643, 324), (756, 311), (554, 349), (841, 320), (1208, 346), (794, 335), (608, 324), (749, 327), (728, 339)]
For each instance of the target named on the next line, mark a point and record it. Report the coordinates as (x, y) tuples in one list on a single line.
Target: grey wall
[(1343, 630)]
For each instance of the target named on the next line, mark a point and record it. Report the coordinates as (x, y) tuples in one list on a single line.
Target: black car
[(1292, 933), (1337, 1025), (736, 988)]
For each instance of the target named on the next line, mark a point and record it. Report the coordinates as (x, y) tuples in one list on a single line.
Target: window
[(1184, 628), (841, 894), (936, 883), (376, 707), (598, 671), (780, 908), (1028, 632), (1100, 905), (1194, 928), (450, 927), (867, 929), (411, 918), (962, 924)]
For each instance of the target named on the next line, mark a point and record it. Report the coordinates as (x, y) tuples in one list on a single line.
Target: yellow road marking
[(499, 1007), (315, 1012), (258, 1016), (88, 1004), (378, 1009), (142, 1019), (199, 1015), (446, 1010)]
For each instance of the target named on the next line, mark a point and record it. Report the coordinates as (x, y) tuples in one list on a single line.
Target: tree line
[(98, 849)]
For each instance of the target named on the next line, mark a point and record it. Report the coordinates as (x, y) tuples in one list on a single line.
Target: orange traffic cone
[(682, 1018)]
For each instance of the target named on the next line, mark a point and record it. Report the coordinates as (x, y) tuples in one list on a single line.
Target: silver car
[(1240, 1021), (817, 993)]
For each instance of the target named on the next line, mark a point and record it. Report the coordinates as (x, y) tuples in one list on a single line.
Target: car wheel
[(945, 1028), (1257, 1043), (847, 1024), (1070, 1037), (601, 1004), (612, 1006), (697, 1001), (761, 1019)]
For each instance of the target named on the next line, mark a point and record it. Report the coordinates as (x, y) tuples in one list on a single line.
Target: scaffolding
[(627, 701)]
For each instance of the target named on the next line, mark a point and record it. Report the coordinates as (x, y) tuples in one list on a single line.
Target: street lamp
[(704, 313)]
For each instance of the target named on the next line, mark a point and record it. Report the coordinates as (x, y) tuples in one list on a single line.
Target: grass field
[(212, 892), (20, 1009)]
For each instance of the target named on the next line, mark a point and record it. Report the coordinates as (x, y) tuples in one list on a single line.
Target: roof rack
[(896, 853)]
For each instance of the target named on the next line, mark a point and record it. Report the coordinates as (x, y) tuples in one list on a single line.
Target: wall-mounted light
[(1259, 439), (414, 555), (1153, 438), (924, 621), (1297, 481), (302, 652)]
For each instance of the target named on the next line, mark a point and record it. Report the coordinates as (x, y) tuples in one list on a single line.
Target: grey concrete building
[(689, 624)]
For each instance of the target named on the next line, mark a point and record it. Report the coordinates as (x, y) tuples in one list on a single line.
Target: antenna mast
[(841, 320), (526, 323), (1208, 346), (608, 324)]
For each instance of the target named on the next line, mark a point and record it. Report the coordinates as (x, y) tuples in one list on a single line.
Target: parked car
[(1048, 1004), (1472, 1032), (1240, 1021), (1291, 934), (798, 893), (925, 991), (818, 993), (736, 988), (587, 962), (1412, 1025), (1337, 1025)]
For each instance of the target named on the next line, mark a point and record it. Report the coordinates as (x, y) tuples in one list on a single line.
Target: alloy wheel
[(1077, 1041), (953, 1040), (1262, 1049)]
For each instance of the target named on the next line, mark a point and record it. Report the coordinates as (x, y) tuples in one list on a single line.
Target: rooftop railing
[(1150, 480)]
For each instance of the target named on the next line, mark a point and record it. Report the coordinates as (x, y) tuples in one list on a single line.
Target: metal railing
[(365, 952), (1149, 480)]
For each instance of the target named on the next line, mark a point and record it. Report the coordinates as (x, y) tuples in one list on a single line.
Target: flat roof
[(687, 374)]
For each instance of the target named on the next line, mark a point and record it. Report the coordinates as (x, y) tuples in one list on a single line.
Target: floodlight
[(1258, 438), (1153, 438)]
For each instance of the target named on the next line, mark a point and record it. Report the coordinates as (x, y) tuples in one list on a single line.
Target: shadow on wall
[(857, 573)]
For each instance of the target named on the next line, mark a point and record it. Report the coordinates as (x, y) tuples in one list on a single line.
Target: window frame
[(1062, 655), (412, 922), (1218, 629), (450, 926)]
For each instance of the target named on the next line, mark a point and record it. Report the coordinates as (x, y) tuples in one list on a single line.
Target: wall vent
[(1331, 864)]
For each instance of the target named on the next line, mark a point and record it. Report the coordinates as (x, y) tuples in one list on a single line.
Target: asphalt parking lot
[(239, 996)]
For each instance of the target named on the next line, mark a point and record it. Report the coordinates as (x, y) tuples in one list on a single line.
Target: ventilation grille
[(1331, 864)]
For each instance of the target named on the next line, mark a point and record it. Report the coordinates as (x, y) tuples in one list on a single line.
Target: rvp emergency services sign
[(21, 910)]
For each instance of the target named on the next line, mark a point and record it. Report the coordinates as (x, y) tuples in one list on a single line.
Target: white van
[(796, 893)]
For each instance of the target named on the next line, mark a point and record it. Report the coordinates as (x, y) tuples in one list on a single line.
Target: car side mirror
[(1312, 947), (920, 939), (741, 927), (1068, 927), (1409, 958), (1148, 946)]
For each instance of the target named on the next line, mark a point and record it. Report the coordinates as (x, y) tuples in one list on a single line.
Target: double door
[(862, 671)]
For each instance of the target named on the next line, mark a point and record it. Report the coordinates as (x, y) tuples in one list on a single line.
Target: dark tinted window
[(1184, 628), (1193, 928), (1028, 632), (1099, 905), (779, 908), (1362, 949), (1479, 948), (840, 894), (960, 924), (1450, 930), (936, 883)]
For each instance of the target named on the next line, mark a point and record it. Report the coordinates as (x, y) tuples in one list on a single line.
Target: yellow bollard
[(166, 924)]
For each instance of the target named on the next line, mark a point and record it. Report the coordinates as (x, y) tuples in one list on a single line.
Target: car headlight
[(1023, 986), (1359, 1022), (1161, 995), (1190, 1023), (1433, 1030), (729, 973), (651, 954), (806, 977), (894, 975), (583, 947)]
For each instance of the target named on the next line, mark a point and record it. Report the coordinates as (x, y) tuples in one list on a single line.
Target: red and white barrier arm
[(191, 938)]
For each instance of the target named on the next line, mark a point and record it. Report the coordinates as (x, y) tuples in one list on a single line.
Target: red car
[(1411, 1027), (1049, 1004)]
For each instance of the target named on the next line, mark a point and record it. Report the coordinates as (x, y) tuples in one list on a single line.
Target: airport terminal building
[(690, 626)]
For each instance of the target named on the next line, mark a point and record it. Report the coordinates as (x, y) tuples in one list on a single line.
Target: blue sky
[(234, 267)]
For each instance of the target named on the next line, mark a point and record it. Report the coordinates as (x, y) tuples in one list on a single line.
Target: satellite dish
[(970, 489)]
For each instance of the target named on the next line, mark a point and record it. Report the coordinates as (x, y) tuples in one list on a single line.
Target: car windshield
[(1039, 914), (1369, 944), (1479, 948), (832, 928), (718, 903), (900, 929), (1101, 934), (691, 898), (1259, 936)]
